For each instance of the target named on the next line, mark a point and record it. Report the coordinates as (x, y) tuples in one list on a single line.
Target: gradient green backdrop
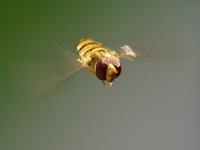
[(149, 107)]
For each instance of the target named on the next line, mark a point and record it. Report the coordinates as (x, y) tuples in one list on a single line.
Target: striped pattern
[(87, 45)]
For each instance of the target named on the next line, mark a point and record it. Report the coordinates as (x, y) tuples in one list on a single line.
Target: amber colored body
[(90, 52), (100, 60)]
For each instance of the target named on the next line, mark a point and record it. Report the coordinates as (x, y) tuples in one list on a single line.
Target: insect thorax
[(91, 57)]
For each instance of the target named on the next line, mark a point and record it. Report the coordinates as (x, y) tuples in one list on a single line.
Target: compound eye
[(102, 66)]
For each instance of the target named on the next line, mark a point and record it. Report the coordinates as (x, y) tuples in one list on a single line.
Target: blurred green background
[(149, 106)]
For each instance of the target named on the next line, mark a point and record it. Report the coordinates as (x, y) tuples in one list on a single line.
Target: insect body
[(102, 61)]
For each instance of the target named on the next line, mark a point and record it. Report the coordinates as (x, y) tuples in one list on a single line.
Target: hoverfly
[(97, 58), (102, 61)]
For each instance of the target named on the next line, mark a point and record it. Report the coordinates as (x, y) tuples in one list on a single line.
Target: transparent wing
[(127, 53), (150, 56), (43, 67), (66, 64)]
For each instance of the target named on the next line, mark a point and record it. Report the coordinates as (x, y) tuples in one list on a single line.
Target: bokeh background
[(153, 105)]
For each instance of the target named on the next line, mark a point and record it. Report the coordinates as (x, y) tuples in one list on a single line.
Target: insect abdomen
[(85, 46)]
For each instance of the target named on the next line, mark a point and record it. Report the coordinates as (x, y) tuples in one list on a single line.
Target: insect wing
[(149, 56), (42, 68), (66, 64), (127, 53)]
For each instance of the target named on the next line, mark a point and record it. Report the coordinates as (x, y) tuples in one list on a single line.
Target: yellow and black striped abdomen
[(86, 46)]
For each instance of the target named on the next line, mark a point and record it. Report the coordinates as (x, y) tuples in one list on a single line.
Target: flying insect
[(102, 61)]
